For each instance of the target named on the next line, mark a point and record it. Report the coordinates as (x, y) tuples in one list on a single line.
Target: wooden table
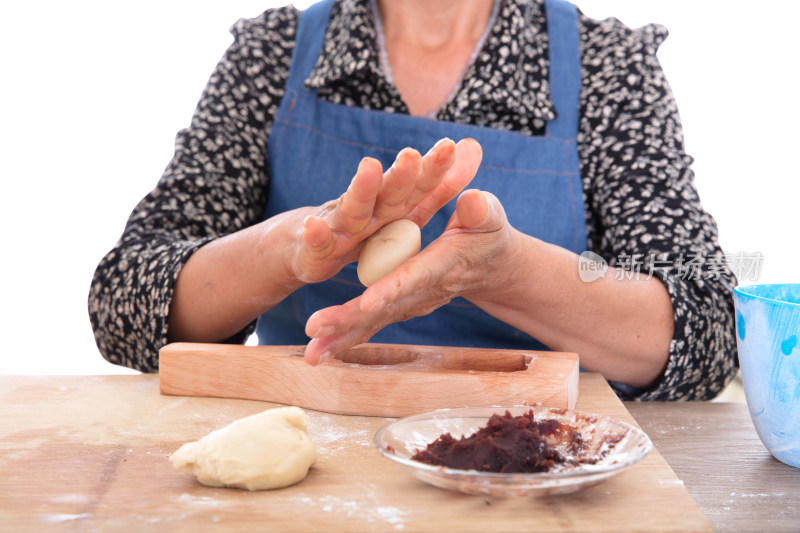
[(89, 453), (714, 449)]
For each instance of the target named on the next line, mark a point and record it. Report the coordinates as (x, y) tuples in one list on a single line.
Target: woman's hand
[(472, 255), (620, 327), (231, 280), (415, 187)]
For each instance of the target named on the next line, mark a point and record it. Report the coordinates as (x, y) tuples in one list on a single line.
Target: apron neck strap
[(565, 67), (308, 42)]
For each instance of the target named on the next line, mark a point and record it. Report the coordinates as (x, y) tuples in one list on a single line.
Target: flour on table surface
[(70, 498), (367, 508), (65, 517), (199, 500), (172, 405), (328, 438)]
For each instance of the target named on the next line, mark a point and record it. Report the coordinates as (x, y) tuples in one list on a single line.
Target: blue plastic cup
[(767, 330)]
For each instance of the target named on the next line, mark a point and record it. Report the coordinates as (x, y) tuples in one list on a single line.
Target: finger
[(398, 182), (472, 208), (317, 351), (460, 174), (320, 350), (479, 211), (356, 205), (397, 297), (330, 329), (435, 165), (323, 323), (330, 347), (350, 326), (317, 237), (408, 280), (335, 322)]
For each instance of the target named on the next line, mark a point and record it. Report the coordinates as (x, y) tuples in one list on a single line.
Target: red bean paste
[(508, 444)]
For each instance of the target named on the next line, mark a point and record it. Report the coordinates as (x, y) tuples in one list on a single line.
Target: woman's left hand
[(475, 253)]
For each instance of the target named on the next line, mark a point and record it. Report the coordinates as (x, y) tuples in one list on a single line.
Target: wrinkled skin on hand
[(463, 261), (415, 187)]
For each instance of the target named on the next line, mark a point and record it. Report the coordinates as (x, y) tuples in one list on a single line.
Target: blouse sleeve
[(215, 184), (644, 211)]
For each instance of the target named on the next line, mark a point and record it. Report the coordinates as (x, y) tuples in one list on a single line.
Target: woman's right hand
[(330, 236)]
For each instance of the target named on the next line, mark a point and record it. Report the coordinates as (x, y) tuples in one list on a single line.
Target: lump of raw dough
[(269, 450), (388, 248)]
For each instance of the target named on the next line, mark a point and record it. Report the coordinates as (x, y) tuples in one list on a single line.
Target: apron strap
[(311, 32), (565, 67)]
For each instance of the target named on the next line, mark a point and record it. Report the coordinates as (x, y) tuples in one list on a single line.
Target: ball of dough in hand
[(388, 248), (269, 450)]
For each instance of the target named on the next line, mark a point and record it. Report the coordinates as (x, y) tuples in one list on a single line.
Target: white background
[(92, 94)]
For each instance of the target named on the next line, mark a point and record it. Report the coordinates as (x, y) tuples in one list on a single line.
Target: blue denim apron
[(315, 147)]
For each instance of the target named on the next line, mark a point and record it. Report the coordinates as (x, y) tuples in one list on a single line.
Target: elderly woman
[(571, 143)]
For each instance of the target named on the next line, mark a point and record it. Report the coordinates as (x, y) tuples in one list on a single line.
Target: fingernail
[(324, 331), (324, 357), (438, 144), (377, 305)]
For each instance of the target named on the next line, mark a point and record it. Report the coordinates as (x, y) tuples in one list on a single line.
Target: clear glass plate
[(401, 439)]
